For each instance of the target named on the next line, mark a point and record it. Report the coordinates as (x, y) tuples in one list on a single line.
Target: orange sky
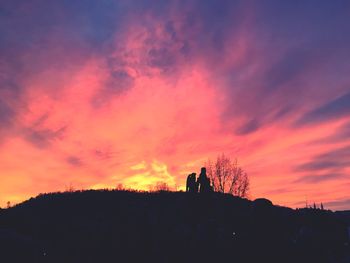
[(167, 88)]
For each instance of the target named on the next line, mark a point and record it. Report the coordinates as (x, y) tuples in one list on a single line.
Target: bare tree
[(227, 176)]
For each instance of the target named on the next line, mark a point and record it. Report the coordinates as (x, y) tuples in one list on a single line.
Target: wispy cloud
[(335, 109), (336, 158), (314, 178), (342, 204)]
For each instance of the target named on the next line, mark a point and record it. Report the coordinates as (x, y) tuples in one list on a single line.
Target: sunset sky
[(98, 93)]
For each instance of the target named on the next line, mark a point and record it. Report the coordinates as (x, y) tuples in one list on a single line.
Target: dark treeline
[(122, 226)]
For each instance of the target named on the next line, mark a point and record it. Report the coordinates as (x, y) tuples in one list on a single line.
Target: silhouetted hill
[(121, 226)]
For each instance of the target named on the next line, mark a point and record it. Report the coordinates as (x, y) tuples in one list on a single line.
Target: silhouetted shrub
[(227, 176)]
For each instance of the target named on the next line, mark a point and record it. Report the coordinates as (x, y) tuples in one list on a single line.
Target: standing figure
[(188, 183), (191, 183), (204, 181), (196, 185)]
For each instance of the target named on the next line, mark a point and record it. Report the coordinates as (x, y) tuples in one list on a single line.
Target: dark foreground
[(120, 226)]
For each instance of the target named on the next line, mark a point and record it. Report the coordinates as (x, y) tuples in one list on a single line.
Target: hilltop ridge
[(126, 226)]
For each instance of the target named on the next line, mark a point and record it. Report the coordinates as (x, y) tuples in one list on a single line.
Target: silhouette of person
[(191, 183), (188, 182), (196, 185), (204, 181)]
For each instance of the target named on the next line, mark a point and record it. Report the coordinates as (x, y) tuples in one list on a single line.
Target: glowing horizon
[(97, 94)]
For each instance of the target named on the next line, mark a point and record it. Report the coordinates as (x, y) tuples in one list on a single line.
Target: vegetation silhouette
[(131, 226), (227, 176)]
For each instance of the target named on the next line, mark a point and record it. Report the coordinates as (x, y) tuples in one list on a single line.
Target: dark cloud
[(334, 109), (321, 164), (7, 118), (118, 82), (283, 190), (282, 112), (310, 179), (103, 154), (342, 134), (74, 161), (335, 159), (161, 58), (25, 23), (6, 114), (335, 154), (286, 70), (10, 95), (249, 127), (310, 18), (121, 79), (42, 138), (338, 204), (301, 63)]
